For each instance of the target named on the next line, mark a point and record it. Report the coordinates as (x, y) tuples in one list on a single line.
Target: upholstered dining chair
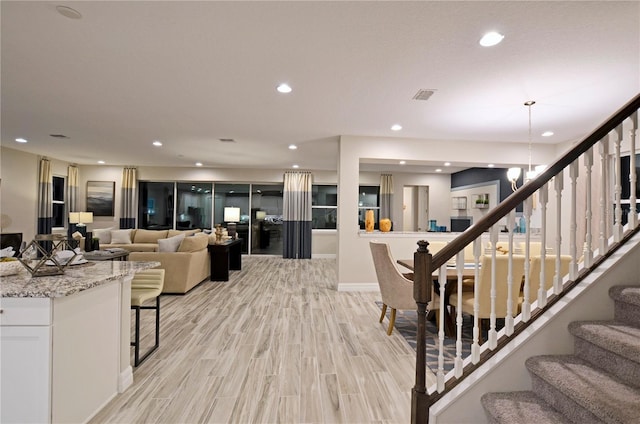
[(549, 273), (146, 285), (396, 290), (482, 288)]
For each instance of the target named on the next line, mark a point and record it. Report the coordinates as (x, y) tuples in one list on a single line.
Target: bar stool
[(146, 285)]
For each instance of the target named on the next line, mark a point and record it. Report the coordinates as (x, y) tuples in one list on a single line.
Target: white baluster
[(458, 361), (617, 192), (508, 321), (603, 149), (493, 335), (573, 175), (558, 182), (475, 347), (588, 249), (442, 277), (526, 304), (633, 214), (544, 199)]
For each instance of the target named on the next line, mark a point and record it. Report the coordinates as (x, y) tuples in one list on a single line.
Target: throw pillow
[(194, 243), (104, 234), (170, 244), (121, 236), (149, 236)]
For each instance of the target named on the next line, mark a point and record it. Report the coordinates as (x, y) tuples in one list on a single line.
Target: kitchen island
[(64, 341)]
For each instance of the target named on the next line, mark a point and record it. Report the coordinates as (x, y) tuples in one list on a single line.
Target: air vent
[(423, 94), (58, 136), (227, 140)]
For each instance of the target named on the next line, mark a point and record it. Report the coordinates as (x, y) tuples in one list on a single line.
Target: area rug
[(407, 324)]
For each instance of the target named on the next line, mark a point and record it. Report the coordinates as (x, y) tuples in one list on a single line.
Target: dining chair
[(482, 288), (549, 273), (396, 290)]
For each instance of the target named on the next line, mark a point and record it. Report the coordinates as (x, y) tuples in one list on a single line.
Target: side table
[(224, 257)]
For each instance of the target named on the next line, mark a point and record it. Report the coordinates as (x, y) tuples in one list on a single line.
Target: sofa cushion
[(149, 236), (172, 233), (194, 243), (170, 244), (103, 234), (121, 236)]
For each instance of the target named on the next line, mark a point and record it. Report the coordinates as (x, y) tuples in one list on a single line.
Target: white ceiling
[(190, 73)]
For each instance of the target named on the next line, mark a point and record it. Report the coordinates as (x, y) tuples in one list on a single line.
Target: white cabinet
[(25, 349)]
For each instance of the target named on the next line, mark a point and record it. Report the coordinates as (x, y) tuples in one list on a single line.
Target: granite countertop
[(75, 278)]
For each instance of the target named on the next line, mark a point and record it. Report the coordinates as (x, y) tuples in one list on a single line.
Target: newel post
[(422, 283)]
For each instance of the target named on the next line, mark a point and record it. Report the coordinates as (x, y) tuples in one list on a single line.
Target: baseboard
[(125, 380), (353, 287), (323, 256)]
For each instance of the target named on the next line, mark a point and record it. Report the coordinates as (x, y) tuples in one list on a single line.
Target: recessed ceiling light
[(284, 88), (438, 170), (157, 143), (21, 140), (490, 165), (396, 127), (198, 163), (447, 164), (292, 147), (296, 166), (101, 162), (68, 12), (547, 133), (402, 162), (491, 39)]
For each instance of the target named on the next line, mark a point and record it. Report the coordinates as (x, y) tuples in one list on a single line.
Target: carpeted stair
[(599, 383)]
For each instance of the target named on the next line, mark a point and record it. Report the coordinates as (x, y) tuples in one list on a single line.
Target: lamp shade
[(261, 215), (86, 217), (74, 217), (513, 174), (231, 214)]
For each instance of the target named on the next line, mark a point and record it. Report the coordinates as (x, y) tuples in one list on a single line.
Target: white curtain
[(297, 215), (386, 196)]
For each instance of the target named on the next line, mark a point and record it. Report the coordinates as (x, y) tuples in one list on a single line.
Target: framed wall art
[(100, 197)]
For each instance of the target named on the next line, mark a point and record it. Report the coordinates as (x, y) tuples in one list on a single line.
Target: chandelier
[(514, 173)]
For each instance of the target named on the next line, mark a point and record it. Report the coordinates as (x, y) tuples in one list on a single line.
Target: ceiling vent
[(58, 136), (227, 140), (423, 94)]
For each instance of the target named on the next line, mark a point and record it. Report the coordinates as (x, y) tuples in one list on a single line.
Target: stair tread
[(615, 336), (521, 407), (592, 388), (627, 294)]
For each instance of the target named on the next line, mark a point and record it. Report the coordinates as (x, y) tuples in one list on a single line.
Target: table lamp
[(80, 219), (231, 216)]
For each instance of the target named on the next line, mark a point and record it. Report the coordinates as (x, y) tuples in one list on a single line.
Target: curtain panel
[(128, 210), (72, 196), (297, 215), (386, 196), (45, 197)]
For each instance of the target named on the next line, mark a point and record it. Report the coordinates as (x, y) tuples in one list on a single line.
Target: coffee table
[(107, 255)]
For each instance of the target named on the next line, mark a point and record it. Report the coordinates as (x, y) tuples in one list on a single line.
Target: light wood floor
[(277, 343)]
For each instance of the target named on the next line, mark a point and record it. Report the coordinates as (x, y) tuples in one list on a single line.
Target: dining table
[(468, 272)]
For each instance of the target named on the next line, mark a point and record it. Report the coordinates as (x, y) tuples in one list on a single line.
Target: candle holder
[(40, 257)]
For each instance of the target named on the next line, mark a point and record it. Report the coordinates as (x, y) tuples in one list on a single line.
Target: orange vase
[(368, 221), (385, 225)]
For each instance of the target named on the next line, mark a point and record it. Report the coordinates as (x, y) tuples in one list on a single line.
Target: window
[(155, 205), (369, 199), (236, 196), (324, 206), (194, 206), (59, 212)]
